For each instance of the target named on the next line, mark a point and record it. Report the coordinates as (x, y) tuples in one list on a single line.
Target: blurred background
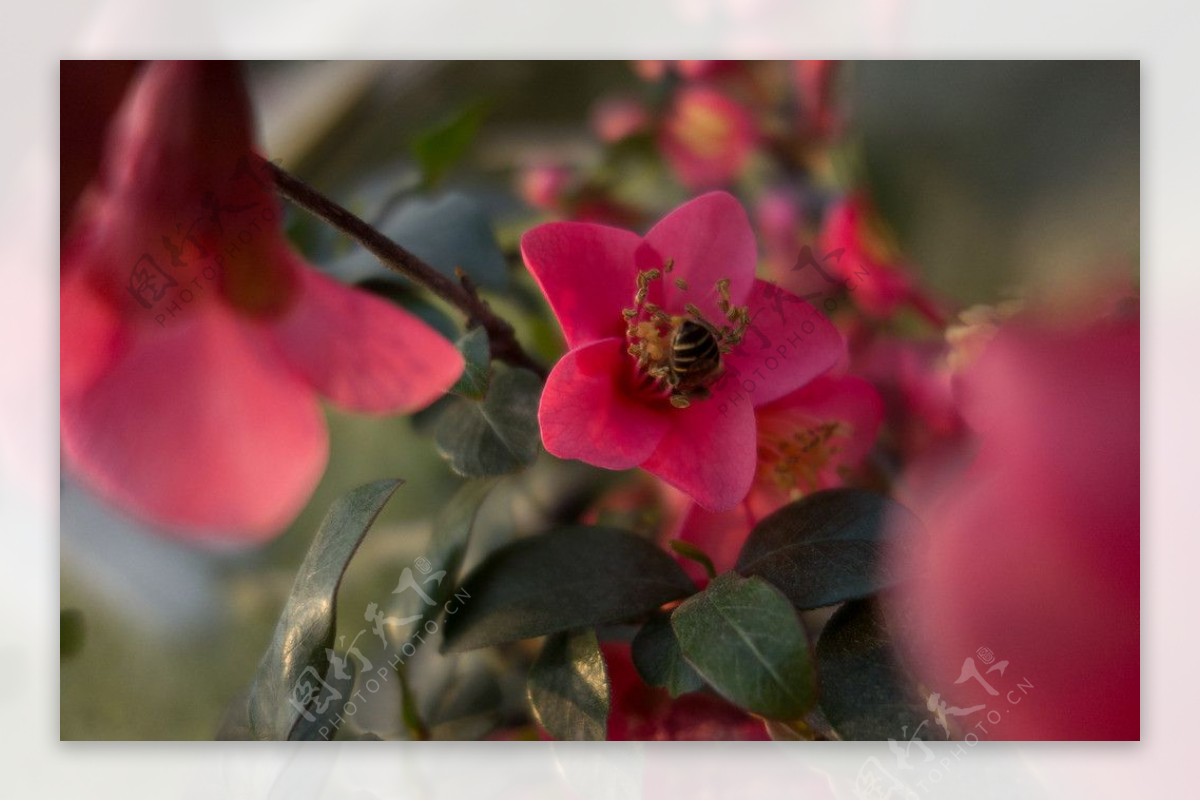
[(998, 178)]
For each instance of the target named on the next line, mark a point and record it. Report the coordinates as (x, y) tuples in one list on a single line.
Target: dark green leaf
[(746, 641), (570, 578), (828, 547), (659, 661), (865, 692), (71, 633), (568, 687), (478, 357), (438, 148), (498, 434), (291, 676)]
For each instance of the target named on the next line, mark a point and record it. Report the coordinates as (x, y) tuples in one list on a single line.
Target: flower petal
[(788, 345), (362, 352), (708, 453), (587, 413), (709, 239), (588, 274), (199, 428)]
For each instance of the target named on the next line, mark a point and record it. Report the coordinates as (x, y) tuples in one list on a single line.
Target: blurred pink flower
[(807, 441), (692, 69), (914, 378), (543, 186), (707, 137), (874, 272), (814, 88), (1033, 548), (641, 712), (195, 341), (615, 118), (602, 406)]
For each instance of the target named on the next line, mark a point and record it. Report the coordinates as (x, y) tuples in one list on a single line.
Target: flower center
[(679, 356), (802, 460)]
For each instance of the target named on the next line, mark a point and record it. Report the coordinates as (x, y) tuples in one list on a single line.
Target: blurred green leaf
[(448, 232), (697, 555), (439, 147), (828, 547), (497, 435), (477, 354), (568, 687), (569, 578), (290, 684), (660, 662), (865, 692), (72, 632), (746, 641), (445, 551)]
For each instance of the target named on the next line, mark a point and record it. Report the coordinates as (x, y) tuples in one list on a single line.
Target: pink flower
[(814, 87), (807, 441), (707, 138), (543, 186), (869, 264), (640, 712), (614, 401), (1033, 545), (650, 70), (195, 341), (616, 118)]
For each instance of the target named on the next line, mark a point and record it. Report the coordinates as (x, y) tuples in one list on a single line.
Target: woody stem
[(461, 294)]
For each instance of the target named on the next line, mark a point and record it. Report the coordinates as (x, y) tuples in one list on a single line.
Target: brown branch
[(461, 294)]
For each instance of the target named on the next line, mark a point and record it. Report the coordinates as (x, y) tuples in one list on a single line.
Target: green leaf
[(439, 147), (568, 687), (828, 547), (570, 578), (865, 692), (477, 354), (660, 662), (290, 683), (746, 641), (497, 435), (71, 633), (689, 551)]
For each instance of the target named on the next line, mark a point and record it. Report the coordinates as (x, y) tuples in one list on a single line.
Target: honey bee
[(693, 360), (682, 355)]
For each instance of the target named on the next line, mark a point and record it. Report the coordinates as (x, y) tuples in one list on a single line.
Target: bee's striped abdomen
[(694, 343)]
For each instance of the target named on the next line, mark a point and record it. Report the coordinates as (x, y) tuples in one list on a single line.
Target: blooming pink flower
[(640, 712), (707, 137), (1032, 556), (195, 341), (871, 267), (601, 404), (807, 441)]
